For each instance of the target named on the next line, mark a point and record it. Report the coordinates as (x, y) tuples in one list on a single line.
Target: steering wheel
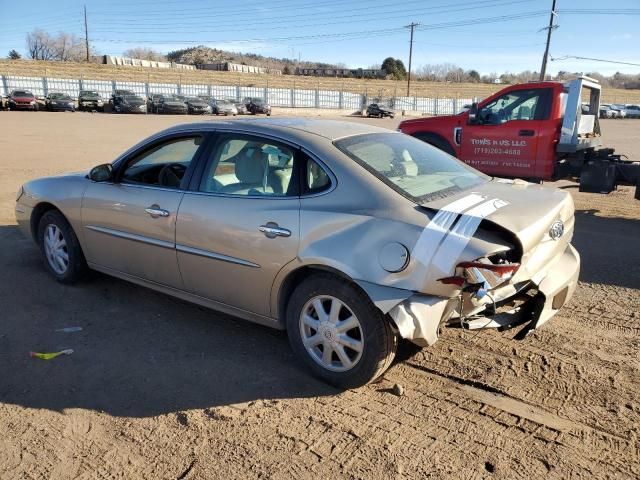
[(171, 175)]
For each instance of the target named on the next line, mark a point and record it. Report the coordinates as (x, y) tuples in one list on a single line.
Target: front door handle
[(155, 211), (526, 133), (272, 230)]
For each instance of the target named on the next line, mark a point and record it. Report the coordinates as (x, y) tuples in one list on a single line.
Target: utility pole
[(86, 32), (412, 25), (550, 28)]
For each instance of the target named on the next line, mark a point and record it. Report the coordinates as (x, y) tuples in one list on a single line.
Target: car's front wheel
[(63, 256), (335, 329)]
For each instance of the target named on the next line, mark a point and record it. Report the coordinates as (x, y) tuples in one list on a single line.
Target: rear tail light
[(488, 275)]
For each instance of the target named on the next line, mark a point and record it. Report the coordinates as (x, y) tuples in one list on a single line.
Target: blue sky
[(487, 35)]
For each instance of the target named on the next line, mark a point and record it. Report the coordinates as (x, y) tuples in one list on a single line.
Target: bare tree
[(68, 47), (40, 45), (144, 53)]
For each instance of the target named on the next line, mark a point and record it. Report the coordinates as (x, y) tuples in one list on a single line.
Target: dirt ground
[(160, 389)]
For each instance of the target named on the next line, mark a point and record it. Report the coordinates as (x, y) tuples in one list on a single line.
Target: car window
[(246, 165), (515, 105), (163, 165), (410, 166), (316, 179)]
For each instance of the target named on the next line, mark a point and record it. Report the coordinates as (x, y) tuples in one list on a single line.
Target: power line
[(566, 57)]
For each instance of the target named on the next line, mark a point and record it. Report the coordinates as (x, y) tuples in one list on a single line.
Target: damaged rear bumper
[(418, 317)]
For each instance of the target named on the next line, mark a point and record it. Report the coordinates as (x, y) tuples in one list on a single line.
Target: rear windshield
[(410, 166)]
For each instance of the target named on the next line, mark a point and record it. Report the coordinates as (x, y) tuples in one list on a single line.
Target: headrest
[(251, 169)]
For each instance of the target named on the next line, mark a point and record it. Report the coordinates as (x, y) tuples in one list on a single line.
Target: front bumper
[(418, 318), (22, 106)]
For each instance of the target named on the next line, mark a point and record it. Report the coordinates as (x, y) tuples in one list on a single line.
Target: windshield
[(257, 101), (22, 93), (89, 93), (410, 166), (129, 98), (61, 97)]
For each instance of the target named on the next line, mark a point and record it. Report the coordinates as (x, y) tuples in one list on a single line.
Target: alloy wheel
[(55, 249), (331, 333)]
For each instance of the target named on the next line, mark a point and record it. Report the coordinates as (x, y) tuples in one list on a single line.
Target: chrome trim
[(215, 256), (457, 130), (157, 212), (273, 231), (132, 236)]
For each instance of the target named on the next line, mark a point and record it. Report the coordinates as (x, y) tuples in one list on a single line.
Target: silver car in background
[(223, 107), (348, 236)]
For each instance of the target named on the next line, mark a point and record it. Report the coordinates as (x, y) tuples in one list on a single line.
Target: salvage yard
[(157, 388)]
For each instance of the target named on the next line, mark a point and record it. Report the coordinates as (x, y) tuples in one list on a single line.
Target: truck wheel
[(438, 142), (335, 329)]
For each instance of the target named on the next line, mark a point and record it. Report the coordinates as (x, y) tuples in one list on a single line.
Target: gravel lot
[(158, 388)]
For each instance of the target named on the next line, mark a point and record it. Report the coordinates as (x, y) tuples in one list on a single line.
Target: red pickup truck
[(538, 131)]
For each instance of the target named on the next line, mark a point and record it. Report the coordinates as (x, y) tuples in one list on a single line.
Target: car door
[(241, 225), (503, 138), (129, 222)]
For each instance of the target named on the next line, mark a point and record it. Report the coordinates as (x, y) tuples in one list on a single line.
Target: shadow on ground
[(140, 353), (609, 248)]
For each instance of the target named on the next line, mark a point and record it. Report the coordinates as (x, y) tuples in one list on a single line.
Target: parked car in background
[(632, 111), (256, 105), (117, 96), (197, 106), (171, 104), (130, 104), (605, 111), (621, 110), (223, 107), (3, 101), (22, 100), (240, 107), (153, 101), (235, 229), (59, 102), (90, 100), (376, 110)]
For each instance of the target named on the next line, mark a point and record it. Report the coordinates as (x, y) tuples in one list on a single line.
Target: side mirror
[(473, 113), (101, 173)]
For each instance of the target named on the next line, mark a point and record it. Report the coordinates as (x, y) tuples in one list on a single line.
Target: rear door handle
[(272, 230), (155, 211), (526, 133)]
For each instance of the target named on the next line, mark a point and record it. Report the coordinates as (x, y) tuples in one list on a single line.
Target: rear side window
[(315, 178), (250, 166)]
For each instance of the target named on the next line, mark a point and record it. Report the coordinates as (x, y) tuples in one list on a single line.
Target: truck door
[(503, 138)]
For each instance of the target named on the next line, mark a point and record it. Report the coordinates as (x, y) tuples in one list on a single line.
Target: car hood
[(22, 99), (197, 103), (525, 209), (439, 120), (135, 102)]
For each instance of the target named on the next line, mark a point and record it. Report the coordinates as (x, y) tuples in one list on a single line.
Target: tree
[(40, 45), (474, 76), (14, 55), (145, 53), (394, 68)]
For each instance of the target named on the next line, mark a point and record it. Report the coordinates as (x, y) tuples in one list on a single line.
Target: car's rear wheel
[(338, 333), (63, 256)]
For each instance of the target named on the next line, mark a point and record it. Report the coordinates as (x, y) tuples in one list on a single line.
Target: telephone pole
[(550, 28), (412, 25), (86, 32)]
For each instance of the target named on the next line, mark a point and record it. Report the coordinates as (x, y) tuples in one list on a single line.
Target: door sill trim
[(191, 297)]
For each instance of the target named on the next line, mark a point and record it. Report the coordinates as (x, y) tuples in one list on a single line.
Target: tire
[(373, 334), (53, 226), (438, 142)]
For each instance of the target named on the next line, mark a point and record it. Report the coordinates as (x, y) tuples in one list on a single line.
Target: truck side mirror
[(473, 113)]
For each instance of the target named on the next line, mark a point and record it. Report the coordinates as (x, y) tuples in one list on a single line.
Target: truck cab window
[(515, 105)]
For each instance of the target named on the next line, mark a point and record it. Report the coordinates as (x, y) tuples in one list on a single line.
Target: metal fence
[(277, 97)]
